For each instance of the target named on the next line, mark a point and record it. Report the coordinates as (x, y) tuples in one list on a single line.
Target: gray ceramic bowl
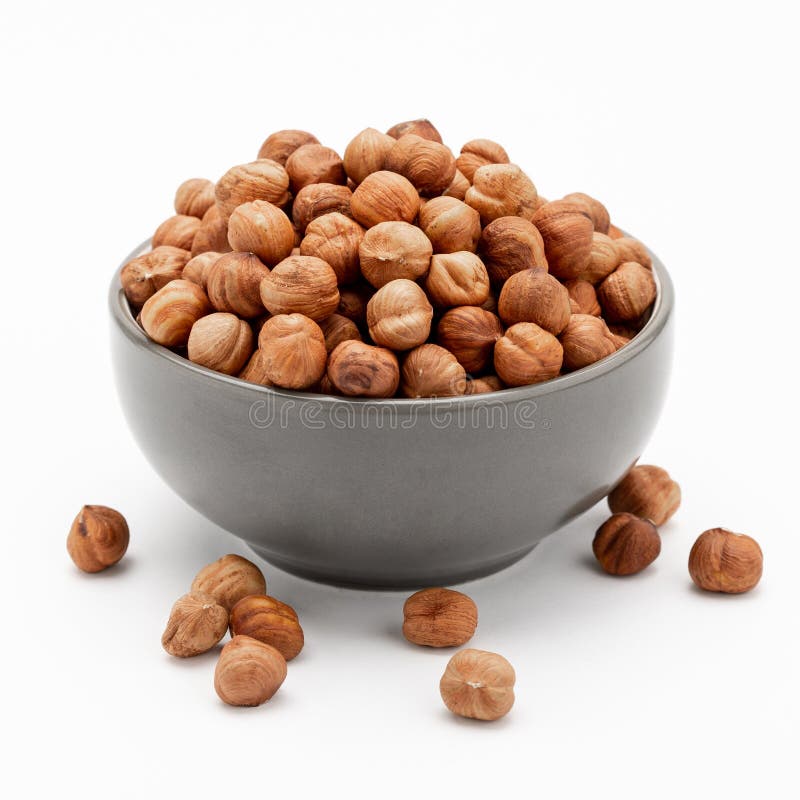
[(391, 492)]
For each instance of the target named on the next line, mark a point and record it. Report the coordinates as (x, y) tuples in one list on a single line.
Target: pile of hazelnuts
[(397, 269)]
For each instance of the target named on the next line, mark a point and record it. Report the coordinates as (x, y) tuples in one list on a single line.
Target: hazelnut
[(586, 339), (603, 259), (625, 544), (627, 292), (98, 538), (469, 333), (478, 684), (169, 314), (196, 623), (457, 279), (527, 354), (511, 244), (222, 342), (361, 370), (233, 284), (314, 163), (196, 269), (614, 232), (419, 127), (479, 153), (144, 275), (280, 145), (568, 237), (212, 235), (502, 190), (353, 302), (261, 228), (488, 383), (450, 224), (177, 231), (534, 295), (429, 166), (270, 621), (248, 672), (724, 561), (384, 196), (439, 618), (316, 199), (596, 211), (293, 351), (399, 315), (259, 180), (432, 371), (255, 370), (229, 579), (646, 491), (490, 304), (335, 238), (623, 332), (301, 284), (337, 329), (632, 250), (392, 250), (458, 187), (366, 153), (194, 197), (583, 297)]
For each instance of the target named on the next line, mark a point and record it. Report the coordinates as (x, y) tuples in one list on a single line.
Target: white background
[(683, 119)]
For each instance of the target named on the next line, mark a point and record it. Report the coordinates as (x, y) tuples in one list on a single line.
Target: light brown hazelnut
[(177, 231), (527, 354), (392, 250), (303, 285), (623, 332), (255, 370), (361, 370), (196, 269), (470, 334), (270, 621), (629, 249), (382, 197), (229, 579), (478, 684), (627, 292), (450, 224), (337, 329), (98, 538), (335, 238), (457, 279), (196, 623), (603, 259), (314, 163), (144, 275), (458, 187), (724, 561), (233, 284), (431, 371), (194, 197), (293, 351), (534, 295), (259, 180), (167, 317), (625, 544), (366, 153), (316, 199), (261, 228), (488, 383), (280, 145), (586, 339), (399, 315), (212, 235), (419, 127), (221, 342), (353, 302), (439, 617), (508, 245), (248, 672), (490, 304), (594, 208), (614, 232), (648, 492), (478, 153), (429, 166), (568, 237), (502, 190), (583, 297)]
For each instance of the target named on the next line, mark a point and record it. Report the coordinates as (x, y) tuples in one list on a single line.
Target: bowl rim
[(662, 310)]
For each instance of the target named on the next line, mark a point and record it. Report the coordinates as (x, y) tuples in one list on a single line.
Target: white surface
[(683, 120)]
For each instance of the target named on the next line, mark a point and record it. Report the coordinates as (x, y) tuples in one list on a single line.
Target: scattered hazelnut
[(316, 199), (361, 370), (212, 235), (337, 329), (314, 163), (603, 259), (457, 279), (478, 153), (478, 684), (625, 544), (450, 224), (222, 342), (144, 275), (177, 231), (335, 238), (419, 127), (196, 269), (585, 340), (229, 579), (261, 228), (196, 623), (568, 236), (366, 153), (382, 197), (353, 302), (646, 491), (439, 618), (724, 561), (534, 295), (293, 351), (391, 250), (469, 333), (429, 165), (627, 292), (301, 284), (270, 621), (432, 371), (527, 354), (509, 245), (248, 672), (280, 145), (583, 297), (629, 249), (194, 197), (233, 284), (169, 314), (596, 211), (259, 180), (98, 538), (458, 187), (399, 315), (502, 190), (488, 383)]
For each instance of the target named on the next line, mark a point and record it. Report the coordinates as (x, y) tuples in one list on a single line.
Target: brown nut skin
[(627, 292), (568, 235), (248, 672), (597, 212), (270, 621), (196, 269), (366, 153), (316, 199), (280, 145), (585, 340), (646, 491), (399, 315), (534, 295), (392, 250), (229, 579), (457, 279), (144, 275), (583, 297), (470, 334), (478, 153), (509, 245), (527, 354), (419, 127), (261, 228), (337, 329), (196, 623), (98, 538), (177, 231), (488, 383), (255, 370), (335, 238), (625, 544), (194, 197), (450, 224), (303, 285), (429, 166), (502, 190), (603, 259), (353, 302), (458, 187), (221, 342), (212, 235), (314, 163), (438, 617), (382, 197), (168, 316), (478, 684), (361, 370), (431, 371), (293, 351), (724, 561), (233, 284), (259, 180), (629, 249)]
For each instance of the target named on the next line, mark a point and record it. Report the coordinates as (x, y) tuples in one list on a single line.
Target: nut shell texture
[(478, 684), (392, 250), (432, 371), (98, 538), (382, 197), (280, 145), (314, 163), (248, 672), (270, 621), (301, 284), (627, 292), (527, 354), (429, 165), (534, 295), (261, 228), (317, 199), (366, 153), (399, 315), (724, 561), (625, 544), (502, 190), (293, 351), (233, 284), (144, 275), (221, 342), (568, 235), (196, 623), (509, 245), (177, 231), (439, 618), (585, 340), (450, 224), (168, 316), (419, 127), (194, 197), (361, 370), (457, 279), (646, 491), (470, 334), (336, 239), (259, 180), (229, 579)]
